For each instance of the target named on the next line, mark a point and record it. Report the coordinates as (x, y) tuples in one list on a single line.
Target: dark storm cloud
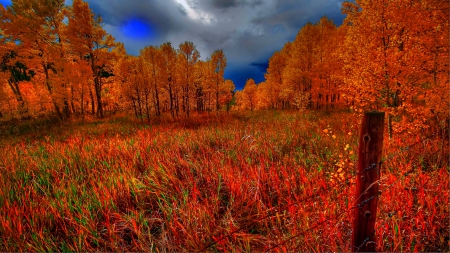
[(248, 31), (224, 3), (240, 75), (262, 66)]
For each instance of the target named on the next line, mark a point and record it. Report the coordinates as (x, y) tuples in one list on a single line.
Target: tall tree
[(226, 93), (324, 88), (200, 84), (90, 41), (37, 29), (188, 58), (169, 57), (129, 73), (274, 77), (297, 76), (153, 69), (393, 55), (219, 62)]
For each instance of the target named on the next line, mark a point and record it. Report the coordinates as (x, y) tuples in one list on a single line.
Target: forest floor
[(266, 180)]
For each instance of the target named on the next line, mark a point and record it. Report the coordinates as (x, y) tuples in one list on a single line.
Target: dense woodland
[(387, 55)]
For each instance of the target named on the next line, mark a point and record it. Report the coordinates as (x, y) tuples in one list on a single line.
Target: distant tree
[(169, 75), (153, 61), (219, 62), (325, 86), (298, 75), (250, 96), (188, 58), (274, 79), (226, 94), (129, 74), (201, 81)]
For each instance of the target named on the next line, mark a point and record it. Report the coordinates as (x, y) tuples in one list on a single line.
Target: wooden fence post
[(367, 187)]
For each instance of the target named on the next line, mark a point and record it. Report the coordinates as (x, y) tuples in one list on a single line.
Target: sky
[(248, 31)]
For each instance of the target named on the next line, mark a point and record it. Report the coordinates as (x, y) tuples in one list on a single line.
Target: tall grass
[(116, 185)]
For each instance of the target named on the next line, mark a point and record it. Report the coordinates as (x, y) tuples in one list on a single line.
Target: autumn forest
[(108, 151)]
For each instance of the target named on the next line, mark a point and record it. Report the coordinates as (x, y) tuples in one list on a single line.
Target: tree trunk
[(139, 103), (98, 94), (23, 109), (82, 102), (92, 102), (49, 88), (177, 104), (217, 96), (146, 107), (72, 104), (133, 101), (155, 86), (172, 112), (390, 126), (66, 109)]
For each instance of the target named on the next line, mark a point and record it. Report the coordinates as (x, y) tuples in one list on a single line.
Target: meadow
[(261, 181)]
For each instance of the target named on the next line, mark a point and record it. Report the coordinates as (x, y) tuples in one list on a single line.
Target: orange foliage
[(387, 55)]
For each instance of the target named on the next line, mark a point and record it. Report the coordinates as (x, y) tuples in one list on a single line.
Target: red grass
[(243, 182)]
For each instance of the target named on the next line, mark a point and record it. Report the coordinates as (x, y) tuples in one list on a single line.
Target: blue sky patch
[(5, 2), (138, 29)]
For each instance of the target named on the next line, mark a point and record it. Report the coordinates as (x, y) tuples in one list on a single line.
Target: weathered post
[(367, 187)]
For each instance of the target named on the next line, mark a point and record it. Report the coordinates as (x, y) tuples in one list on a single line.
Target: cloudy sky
[(249, 31)]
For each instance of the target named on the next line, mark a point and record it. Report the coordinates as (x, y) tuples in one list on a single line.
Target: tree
[(37, 29), (201, 81), (16, 72), (395, 51), (265, 95), (325, 85), (90, 41), (153, 61), (219, 62), (297, 76), (169, 74), (274, 78), (188, 58), (250, 97), (226, 93), (129, 72)]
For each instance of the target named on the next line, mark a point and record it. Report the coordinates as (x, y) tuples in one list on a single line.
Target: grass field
[(240, 182)]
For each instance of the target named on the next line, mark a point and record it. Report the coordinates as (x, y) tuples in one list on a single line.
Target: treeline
[(305, 73), (55, 58), (59, 59), (387, 55), (162, 79)]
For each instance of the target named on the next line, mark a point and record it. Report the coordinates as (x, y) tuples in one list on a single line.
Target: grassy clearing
[(116, 185)]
